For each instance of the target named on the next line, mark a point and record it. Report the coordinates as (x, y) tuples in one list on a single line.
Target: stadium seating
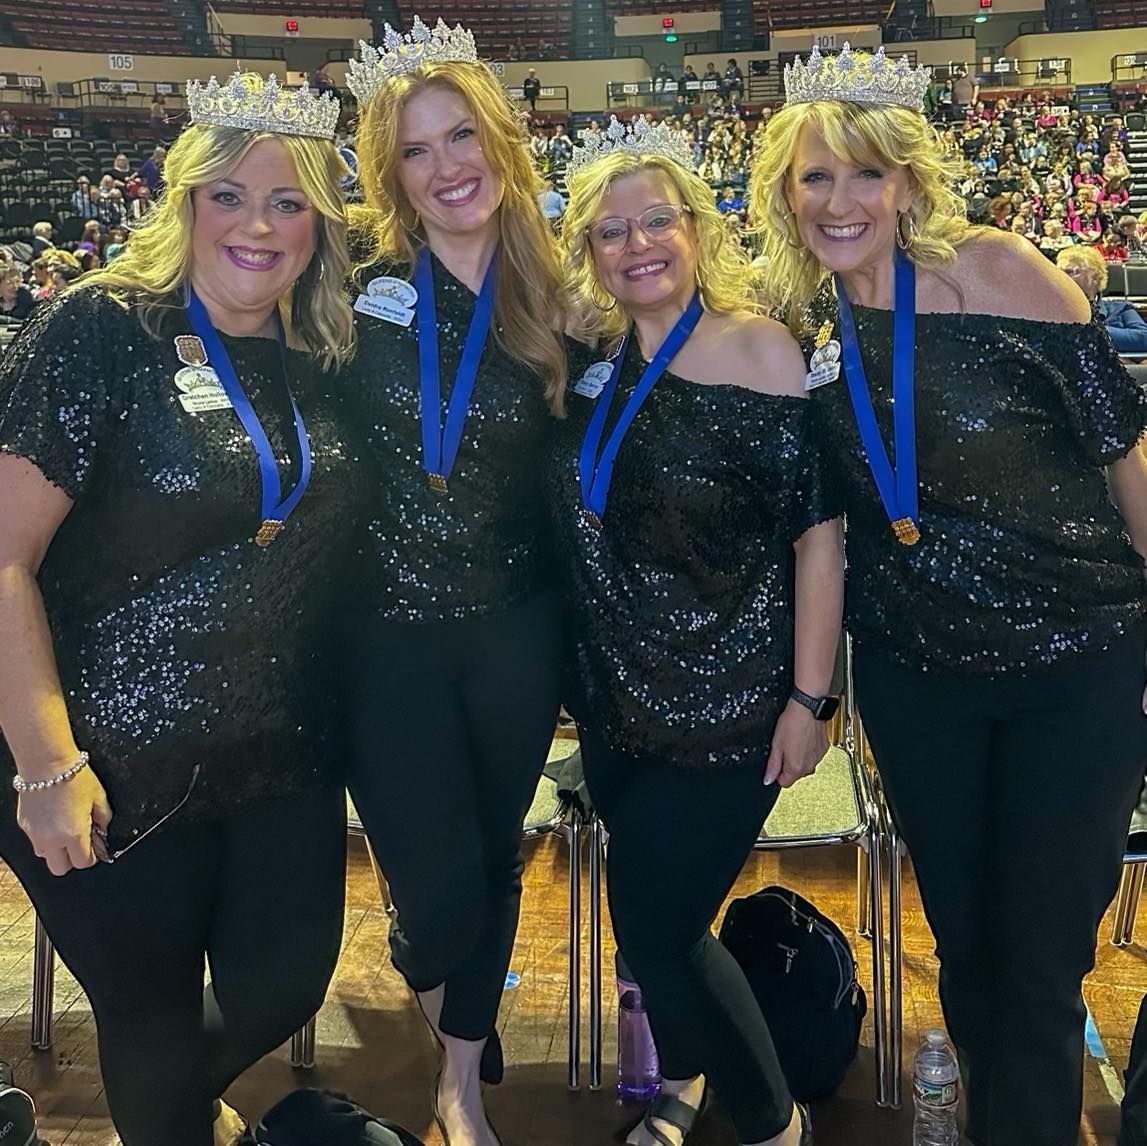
[(1119, 13), (146, 26), (340, 9), (772, 14), (499, 27)]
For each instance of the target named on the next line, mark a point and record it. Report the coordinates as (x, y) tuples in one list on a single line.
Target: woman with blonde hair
[(989, 443), (460, 367), (702, 564), (177, 486)]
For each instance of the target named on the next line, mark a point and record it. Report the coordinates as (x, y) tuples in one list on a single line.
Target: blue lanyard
[(897, 487), (596, 473), (440, 445), (273, 509)]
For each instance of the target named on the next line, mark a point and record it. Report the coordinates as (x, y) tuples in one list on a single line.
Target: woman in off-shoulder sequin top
[(704, 581), (455, 634), (995, 590), (144, 418)]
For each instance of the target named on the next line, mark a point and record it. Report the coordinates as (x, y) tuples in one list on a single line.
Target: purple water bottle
[(638, 1070)]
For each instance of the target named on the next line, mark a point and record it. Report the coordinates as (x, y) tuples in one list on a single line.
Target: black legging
[(1013, 795), (452, 724), (678, 838), (258, 895)]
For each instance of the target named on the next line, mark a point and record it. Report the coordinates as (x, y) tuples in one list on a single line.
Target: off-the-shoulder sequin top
[(481, 548), (1023, 561), (179, 641), (680, 609)]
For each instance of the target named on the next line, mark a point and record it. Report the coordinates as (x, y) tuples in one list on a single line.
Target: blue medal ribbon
[(897, 487), (274, 509), (440, 444), (596, 473)]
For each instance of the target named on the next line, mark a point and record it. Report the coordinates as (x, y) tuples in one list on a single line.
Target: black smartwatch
[(821, 707)]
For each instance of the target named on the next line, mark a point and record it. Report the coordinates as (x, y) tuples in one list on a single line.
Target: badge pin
[(384, 307), (189, 349), (824, 334), (593, 381), (824, 366), (398, 290), (201, 390)]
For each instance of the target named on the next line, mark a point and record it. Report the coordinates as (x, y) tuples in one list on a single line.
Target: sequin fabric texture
[(680, 608), (179, 641), (1022, 561), (480, 548)]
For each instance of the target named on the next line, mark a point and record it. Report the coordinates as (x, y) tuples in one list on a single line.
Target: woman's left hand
[(799, 744)]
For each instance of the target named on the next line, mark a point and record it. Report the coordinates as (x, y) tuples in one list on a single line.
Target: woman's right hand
[(59, 820)]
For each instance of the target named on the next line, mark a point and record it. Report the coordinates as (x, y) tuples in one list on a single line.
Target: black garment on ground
[(1022, 561), (480, 548), (452, 724), (179, 640), (678, 838), (1013, 796), (1133, 1111), (680, 609), (260, 892)]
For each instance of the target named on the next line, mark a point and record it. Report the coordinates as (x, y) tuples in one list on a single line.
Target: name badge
[(593, 381), (388, 298), (824, 366), (201, 390)]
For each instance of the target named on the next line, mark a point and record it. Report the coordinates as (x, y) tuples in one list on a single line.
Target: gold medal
[(824, 334), (437, 483), (268, 531), (189, 350), (906, 531)]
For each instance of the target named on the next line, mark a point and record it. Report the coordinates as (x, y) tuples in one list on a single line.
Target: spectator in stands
[(731, 202), (1086, 225), (16, 301), (91, 236), (157, 117), (1112, 247), (320, 82), (689, 85), (1125, 324), (246, 869), (1135, 242), (552, 205), (136, 209), (663, 81), (965, 93), (711, 76), (41, 237), (734, 80), (1115, 162), (532, 88), (81, 197), (539, 147), (41, 277), (120, 170), (151, 170), (1114, 192), (561, 147), (8, 129), (1054, 238), (117, 239), (63, 277), (1003, 825)]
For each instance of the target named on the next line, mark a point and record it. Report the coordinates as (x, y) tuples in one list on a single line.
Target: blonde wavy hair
[(1083, 257), (886, 137), (152, 272), (529, 304), (727, 280)]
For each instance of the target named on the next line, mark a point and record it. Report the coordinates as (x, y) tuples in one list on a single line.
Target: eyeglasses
[(100, 839), (612, 236)]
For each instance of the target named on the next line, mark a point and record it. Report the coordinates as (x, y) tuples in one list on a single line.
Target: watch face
[(826, 707)]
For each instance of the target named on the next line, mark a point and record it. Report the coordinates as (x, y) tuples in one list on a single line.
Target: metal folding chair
[(1127, 900)]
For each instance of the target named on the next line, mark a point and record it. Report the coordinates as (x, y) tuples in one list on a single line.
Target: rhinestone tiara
[(856, 77), (637, 138), (266, 107), (400, 54)]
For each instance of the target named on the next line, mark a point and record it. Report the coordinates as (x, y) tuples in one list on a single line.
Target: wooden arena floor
[(371, 1042)]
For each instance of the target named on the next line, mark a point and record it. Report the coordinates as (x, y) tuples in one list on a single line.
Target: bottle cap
[(935, 1037)]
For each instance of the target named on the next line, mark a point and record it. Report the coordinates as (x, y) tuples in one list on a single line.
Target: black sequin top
[(1023, 561), (179, 641), (680, 609), (481, 547)]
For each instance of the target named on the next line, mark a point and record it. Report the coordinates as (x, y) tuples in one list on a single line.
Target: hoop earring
[(593, 299), (788, 234), (905, 243)]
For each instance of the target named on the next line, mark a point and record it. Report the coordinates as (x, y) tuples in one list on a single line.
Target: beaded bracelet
[(22, 785)]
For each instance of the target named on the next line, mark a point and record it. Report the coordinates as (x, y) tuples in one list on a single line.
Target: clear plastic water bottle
[(638, 1069), (935, 1092)]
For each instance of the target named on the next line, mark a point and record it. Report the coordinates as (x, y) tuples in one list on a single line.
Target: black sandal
[(680, 1115)]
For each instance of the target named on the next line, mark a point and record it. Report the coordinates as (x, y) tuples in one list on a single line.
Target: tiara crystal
[(856, 77), (637, 138), (400, 54), (264, 108)]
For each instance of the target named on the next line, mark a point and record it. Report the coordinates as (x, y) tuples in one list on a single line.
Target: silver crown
[(400, 54), (638, 138), (267, 107), (856, 77)]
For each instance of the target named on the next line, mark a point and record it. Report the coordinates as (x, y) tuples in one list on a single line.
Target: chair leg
[(1127, 903), (571, 833), (43, 988), (303, 1046), (863, 893), (896, 966), (596, 857)]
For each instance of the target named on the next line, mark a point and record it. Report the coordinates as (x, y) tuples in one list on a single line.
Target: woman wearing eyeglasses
[(176, 493), (702, 556)]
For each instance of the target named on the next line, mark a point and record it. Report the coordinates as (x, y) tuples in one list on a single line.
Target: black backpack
[(802, 972), (17, 1113), (323, 1118)]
